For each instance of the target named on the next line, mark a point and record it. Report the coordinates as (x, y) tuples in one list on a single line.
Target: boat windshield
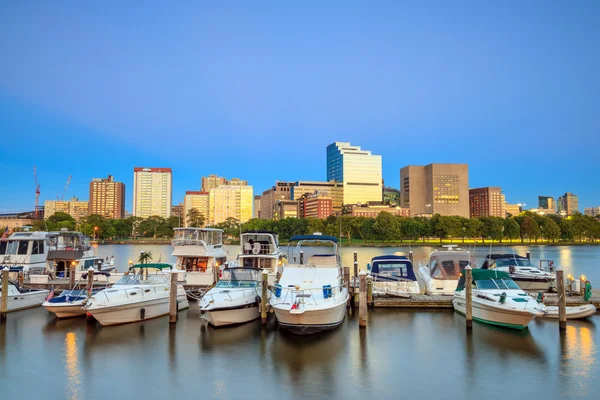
[(496, 284), (142, 280), (450, 266), (509, 262), (402, 269), (73, 293), (237, 284)]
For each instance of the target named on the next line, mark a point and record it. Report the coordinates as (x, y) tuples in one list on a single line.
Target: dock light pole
[(4, 301), (469, 296), (582, 281)]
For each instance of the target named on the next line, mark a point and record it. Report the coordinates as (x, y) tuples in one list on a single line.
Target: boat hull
[(576, 312), (132, 312), (23, 301), (233, 316), (311, 321), (66, 310), (533, 284), (436, 286), (495, 315)]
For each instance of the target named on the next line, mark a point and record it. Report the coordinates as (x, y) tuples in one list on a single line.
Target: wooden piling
[(72, 267), (301, 257), (347, 283), (562, 300), (173, 298), (370, 290), (411, 256), (264, 301), (355, 280), (528, 255), (582, 281), (469, 296), (21, 278), (4, 299), (90, 282), (362, 305)]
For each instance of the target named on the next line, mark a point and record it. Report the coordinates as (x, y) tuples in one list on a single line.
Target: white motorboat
[(70, 302), (393, 275), (235, 299), (24, 249), (260, 249), (520, 269), (440, 275), (573, 312), (140, 295), (497, 300), (311, 295), (199, 252), (20, 298)]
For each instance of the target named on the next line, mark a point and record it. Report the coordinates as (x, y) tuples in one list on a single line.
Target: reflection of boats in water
[(299, 352), (235, 336)]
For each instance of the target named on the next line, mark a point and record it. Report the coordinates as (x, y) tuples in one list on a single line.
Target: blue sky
[(257, 90)]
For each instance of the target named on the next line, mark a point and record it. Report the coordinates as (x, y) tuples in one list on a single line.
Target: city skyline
[(512, 94)]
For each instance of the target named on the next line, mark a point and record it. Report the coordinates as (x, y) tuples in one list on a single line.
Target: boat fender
[(540, 297), (587, 295), (142, 313), (257, 299), (511, 269), (503, 298), (278, 290)]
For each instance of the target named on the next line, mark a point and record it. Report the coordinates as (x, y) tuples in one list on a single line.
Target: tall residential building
[(546, 203), (358, 170), (270, 197), (211, 182), (199, 201), (332, 189), (435, 189), (486, 202), (152, 192), (227, 201), (75, 208), (592, 211), (256, 207), (568, 204), (107, 198)]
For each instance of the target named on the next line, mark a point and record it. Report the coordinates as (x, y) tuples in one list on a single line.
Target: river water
[(413, 354)]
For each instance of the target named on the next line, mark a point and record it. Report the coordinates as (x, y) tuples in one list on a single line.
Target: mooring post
[(528, 254), (173, 298), (72, 274), (301, 257), (90, 282), (4, 299), (264, 301), (469, 296), (347, 283), (370, 290), (21, 278), (355, 279), (411, 257), (582, 281), (362, 304), (562, 300)]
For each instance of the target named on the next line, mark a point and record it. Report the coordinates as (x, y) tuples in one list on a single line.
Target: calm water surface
[(402, 354)]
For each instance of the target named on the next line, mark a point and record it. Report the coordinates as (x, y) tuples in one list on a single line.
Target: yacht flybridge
[(260, 249), (520, 269), (24, 249), (199, 252), (440, 275), (311, 295)]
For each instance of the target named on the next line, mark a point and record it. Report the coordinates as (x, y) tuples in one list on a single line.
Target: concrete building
[(332, 189), (315, 206), (211, 182), (270, 198), (152, 192), (286, 209), (435, 189), (236, 182), (391, 196), (546, 203), (256, 207), (592, 211), (107, 197), (486, 202), (512, 209), (16, 220), (198, 200), (568, 204), (75, 208), (177, 211), (227, 201), (358, 170), (372, 211)]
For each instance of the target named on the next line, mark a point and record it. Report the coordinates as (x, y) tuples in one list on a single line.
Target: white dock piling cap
[(265, 272), (362, 272), (468, 267), (90, 269), (5, 269)]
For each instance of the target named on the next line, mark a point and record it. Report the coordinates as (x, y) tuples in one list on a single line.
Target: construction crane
[(37, 191), (66, 186)]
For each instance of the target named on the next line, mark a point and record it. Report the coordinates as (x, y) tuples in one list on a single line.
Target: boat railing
[(188, 242), (306, 293), (236, 290), (128, 291)]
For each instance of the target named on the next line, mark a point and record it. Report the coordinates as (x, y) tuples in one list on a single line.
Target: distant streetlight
[(427, 207), (95, 233)]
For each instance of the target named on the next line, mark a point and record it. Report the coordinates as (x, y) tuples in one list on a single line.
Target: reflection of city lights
[(73, 373)]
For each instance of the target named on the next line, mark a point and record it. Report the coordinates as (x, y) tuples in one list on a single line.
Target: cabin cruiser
[(140, 295), (24, 249), (20, 298), (393, 275), (440, 275), (200, 253), (66, 249), (235, 299), (70, 302), (311, 295), (520, 269), (497, 300), (260, 249)]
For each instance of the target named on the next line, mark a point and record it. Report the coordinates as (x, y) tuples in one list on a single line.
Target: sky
[(257, 90)]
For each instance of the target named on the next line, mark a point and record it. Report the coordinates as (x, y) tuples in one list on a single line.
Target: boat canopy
[(85, 274), (505, 260), (393, 266), (322, 238), (448, 265), (241, 274), (160, 266), (482, 274)]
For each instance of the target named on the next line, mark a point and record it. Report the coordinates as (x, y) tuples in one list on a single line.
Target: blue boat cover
[(393, 259), (322, 238)]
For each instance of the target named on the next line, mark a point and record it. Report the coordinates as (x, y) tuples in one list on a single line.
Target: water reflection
[(578, 357), (72, 366)]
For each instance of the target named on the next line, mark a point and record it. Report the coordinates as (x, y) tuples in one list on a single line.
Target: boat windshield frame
[(512, 262), (303, 239), (440, 271), (197, 237)]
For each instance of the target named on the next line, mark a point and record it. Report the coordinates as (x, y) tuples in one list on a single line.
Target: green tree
[(492, 228), (195, 218), (474, 228), (60, 220), (512, 229), (550, 230), (529, 228), (145, 257), (386, 227), (567, 232), (410, 228)]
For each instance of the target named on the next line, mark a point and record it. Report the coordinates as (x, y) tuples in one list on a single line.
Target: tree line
[(386, 227)]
